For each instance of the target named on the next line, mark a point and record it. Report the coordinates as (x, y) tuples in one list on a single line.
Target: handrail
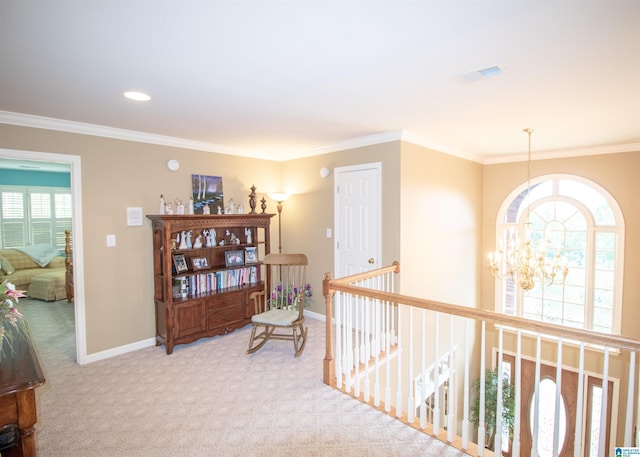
[(588, 336)]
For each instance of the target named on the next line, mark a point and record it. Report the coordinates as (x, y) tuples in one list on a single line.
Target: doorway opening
[(74, 164)]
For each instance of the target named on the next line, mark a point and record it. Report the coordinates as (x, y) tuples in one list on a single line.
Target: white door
[(357, 201)]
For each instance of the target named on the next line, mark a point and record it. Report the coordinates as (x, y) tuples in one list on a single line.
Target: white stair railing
[(380, 343)]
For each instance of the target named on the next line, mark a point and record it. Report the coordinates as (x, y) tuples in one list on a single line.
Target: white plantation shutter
[(33, 215), (13, 225)]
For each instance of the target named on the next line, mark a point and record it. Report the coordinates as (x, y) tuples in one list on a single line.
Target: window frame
[(618, 228)]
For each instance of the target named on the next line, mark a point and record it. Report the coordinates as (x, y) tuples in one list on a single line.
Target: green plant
[(491, 403)]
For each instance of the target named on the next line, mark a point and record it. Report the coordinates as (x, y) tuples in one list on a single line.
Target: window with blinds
[(34, 215)]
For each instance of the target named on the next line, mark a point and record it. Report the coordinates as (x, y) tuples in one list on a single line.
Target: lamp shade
[(278, 196)]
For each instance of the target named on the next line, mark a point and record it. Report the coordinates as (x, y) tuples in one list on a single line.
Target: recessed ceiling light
[(137, 96)]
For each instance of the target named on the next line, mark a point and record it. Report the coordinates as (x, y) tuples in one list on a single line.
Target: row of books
[(203, 283)]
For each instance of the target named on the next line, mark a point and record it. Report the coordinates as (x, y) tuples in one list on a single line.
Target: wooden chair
[(279, 308)]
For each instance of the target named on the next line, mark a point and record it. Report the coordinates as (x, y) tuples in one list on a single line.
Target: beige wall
[(307, 215), (441, 204), (118, 174)]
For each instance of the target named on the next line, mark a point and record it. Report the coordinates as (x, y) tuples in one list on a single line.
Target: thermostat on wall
[(134, 216)]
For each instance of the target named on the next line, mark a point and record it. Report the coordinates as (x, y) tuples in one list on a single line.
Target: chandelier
[(519, 260)]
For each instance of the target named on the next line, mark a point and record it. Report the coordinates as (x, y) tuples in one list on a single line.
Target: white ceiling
[(284, 79)]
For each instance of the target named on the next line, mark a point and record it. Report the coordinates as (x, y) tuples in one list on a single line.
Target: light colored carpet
[(206, 399)]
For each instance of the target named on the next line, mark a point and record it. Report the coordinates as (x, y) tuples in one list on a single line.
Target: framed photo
[(180, 263), (251, 255), (199, 263), (234, 258)]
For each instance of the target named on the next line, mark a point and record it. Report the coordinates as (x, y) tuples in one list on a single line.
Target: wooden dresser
[(20, 374)]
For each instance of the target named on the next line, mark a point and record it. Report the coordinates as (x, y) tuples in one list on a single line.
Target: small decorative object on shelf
[(162, 204), (263, 205), (252, 200)]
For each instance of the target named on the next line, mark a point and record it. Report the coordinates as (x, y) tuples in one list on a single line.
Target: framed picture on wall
[(207, 192)]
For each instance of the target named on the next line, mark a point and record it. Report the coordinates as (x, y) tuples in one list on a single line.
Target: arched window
[(585, 223)]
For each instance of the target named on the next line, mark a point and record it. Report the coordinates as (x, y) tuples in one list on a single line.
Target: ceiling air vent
[(484, 73), (491, 71)]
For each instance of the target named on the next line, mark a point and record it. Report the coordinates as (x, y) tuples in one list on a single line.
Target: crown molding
[(565, 153), (48, 123)]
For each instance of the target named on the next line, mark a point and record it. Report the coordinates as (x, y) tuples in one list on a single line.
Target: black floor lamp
[(279, 197)]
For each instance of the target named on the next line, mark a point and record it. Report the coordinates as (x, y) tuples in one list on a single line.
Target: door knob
[(372, 260)]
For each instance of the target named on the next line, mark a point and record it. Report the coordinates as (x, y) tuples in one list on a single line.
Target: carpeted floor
[(206, 399)]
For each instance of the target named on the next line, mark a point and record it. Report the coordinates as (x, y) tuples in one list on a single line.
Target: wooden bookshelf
[(201, 284)]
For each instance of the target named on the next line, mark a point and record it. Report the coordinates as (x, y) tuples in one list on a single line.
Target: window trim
[(618, 229)]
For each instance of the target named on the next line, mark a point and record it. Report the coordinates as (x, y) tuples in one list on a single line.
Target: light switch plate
[(111, 241)]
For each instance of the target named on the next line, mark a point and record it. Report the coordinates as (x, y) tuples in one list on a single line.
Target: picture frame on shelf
[(251, 255), (234, 258), (199, 263), (180, 263)]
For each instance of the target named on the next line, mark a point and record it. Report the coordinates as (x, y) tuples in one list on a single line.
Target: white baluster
[(497, 443), (357, 344), (423, 371), (436, 376), (630, 395), (452, 390), (602, 444), (411, 406), (387, 387), (481, 428), (367, 353), (536, 396), (577, 441), (349, 342), (339, 337), (515, 446), (465, 401), (378, 331), (399, 372), (556, 428)]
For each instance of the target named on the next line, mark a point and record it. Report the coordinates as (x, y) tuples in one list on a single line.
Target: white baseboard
[(314, 315), (119, 350), (152, 341)]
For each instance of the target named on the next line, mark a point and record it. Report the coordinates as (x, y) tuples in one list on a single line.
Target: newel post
[(329, 364)]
